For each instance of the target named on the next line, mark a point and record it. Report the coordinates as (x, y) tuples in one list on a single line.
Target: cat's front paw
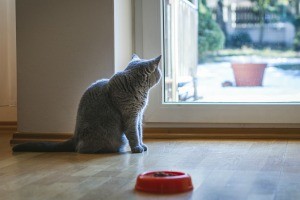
[(144, 147), (137, 149)]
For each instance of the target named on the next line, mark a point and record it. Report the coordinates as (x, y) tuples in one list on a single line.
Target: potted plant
[(248, 74)]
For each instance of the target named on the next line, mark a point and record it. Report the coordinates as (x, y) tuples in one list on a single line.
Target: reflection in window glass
[(231, 51)]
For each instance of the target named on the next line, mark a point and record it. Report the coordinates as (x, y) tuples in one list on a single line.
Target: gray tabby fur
[(110, 108), (110, 112)]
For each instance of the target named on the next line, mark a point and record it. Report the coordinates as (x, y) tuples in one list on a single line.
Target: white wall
[(8, 114), (62, 47), (7, 54), (123, 33), (8, 88), (280, 33)]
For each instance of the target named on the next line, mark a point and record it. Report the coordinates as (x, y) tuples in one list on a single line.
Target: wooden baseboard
[(8, 126), (180, 133), (222, 133)]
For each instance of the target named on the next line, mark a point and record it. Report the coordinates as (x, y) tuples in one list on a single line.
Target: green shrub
[(240, 39), (296, 23), (297, 42), (210, 35)]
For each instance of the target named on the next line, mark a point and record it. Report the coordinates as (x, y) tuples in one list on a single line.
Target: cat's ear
[(154, 63), (135, 57), (157, 60)]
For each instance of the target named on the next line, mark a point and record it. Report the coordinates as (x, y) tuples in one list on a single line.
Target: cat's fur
[(110, 112)]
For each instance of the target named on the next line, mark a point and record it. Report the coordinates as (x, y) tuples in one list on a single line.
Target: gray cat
[(110, 113)]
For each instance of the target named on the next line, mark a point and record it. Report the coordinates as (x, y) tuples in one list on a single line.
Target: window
[(231, 51), (203, 105)]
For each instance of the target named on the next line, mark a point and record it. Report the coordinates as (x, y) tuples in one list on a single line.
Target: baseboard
[(222, 133), (8, 126), (181, 133), (21, 137)]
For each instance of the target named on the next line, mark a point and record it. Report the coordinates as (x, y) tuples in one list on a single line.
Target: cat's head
[(147, 68)]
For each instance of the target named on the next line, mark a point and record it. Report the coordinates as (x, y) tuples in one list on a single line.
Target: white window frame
[(148, 43)]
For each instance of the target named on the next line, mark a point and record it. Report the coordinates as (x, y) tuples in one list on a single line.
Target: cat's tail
[(66, 146)]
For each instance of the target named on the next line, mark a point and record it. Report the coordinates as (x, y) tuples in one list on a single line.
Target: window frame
[(149, 27)]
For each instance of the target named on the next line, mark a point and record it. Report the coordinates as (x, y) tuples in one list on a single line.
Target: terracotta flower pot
[(248, 74)]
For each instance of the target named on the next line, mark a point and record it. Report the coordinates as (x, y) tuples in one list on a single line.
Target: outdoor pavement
[(278, 85)]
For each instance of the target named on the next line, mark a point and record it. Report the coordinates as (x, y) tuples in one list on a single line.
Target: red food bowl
[(164, 182)]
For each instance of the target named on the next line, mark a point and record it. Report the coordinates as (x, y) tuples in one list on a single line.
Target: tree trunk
[(261, 28), (297, 2), (261, 34)]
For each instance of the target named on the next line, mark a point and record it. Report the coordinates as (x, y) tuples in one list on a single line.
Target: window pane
[(231, 51)]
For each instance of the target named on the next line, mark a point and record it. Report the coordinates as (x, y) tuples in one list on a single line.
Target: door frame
[(149, 43)]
